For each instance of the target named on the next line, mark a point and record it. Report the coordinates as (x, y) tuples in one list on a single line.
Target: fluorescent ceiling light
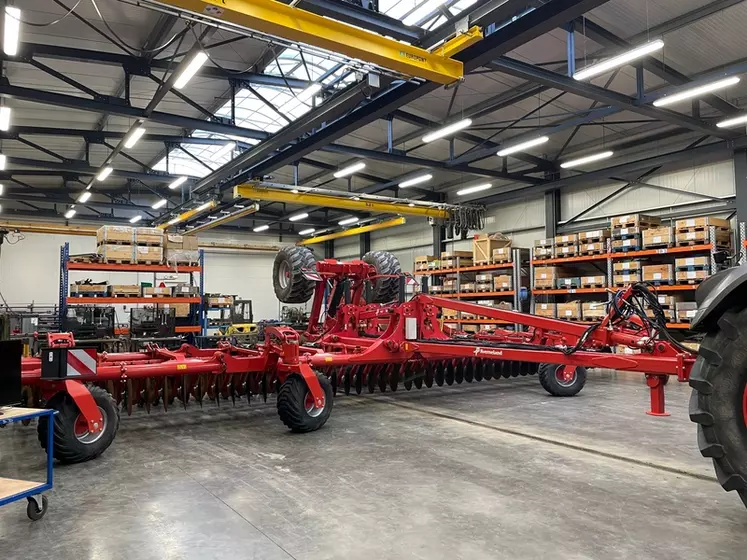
[(447, 130), (306, 231), (696, 91), (309, 92), (349, 170), (104, 173), (523, 146), (416, 180), (136, 219), (70, 213), (204, 206), (732, 122), (298, 217), (2, 188), (194, 65), (294, 191), (411, 205), (11, 30), (133, 137), (476, 188), (225, 150), (3, 161), (160, 204), (347, 221), (261, 228), (173, 221), (4, 118), (586, 159), (620, 60), (178, 182), (422, 11), (84, 196)]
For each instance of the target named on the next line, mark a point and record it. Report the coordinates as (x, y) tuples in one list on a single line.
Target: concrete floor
[(495, 470)]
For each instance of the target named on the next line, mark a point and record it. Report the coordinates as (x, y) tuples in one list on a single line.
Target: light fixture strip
[(447, 130), (586, 159), (416, 180), (696, 91), (619, 60), (133, 137), (191, 69), (476, 188), (523, 146), (349, 170)]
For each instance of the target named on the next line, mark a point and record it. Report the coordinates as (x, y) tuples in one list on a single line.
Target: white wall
[(29, 271)]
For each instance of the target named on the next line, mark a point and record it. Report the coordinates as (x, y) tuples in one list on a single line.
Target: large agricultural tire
[(290, 285), (72, 441), (718, 403), (552, 380), (296, 406), (384, 290)]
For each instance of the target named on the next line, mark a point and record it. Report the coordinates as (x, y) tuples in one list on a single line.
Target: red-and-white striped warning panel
[(81, 361)]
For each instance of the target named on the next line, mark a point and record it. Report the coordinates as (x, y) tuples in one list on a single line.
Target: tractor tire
[(558, 387), (296, 408), (384, 290), (72, 441), (718, 403), (287, 274)]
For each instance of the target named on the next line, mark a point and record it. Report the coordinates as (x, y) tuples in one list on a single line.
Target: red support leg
[(86, 404), (656, 385)]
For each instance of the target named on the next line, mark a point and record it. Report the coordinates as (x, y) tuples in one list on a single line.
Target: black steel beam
[(141, 66), (740, 183), (548, 78), (81, 169)]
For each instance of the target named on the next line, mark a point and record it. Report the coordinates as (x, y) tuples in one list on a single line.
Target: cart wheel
[(296, 405), (561, 383), (33, 510)]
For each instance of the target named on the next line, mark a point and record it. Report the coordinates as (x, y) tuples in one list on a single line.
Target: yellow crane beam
[(353, 231), (281, 20), (251, 209), (257, 192), (188, 214)]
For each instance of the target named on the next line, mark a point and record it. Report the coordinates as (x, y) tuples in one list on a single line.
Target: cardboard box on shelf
[(468, 287), (626, 233), (658, 237), (449, 285), (181, 256), (456, 262), (472, 329), (181, 309), (501, 255), (190, 243), (627, 278), (115, 235), (622, 245), (186, 290), (596, 235), (658, 273), (549, 242), (687, 306), (484, 286), (570, 310), (124, 290), (173, 241), (544, 276), (151, 291), (701, 223), (692, 263), (667, 302), (691, 276), (220, 301), (566, 251), (543, 253), (149, 236), (634, 220), (484, 244), (598, 281), (593, 310), (685, 315), (570, 239), (149, 254), (435, 289), (484, 278), (669, 314), (421, 263), (546, 310), (94, 289), (455, 254), (568, 283), (116, 253), (449, 313), (625, 266), (502, 282)]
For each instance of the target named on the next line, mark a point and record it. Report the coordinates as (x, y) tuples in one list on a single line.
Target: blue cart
[(11, 489)]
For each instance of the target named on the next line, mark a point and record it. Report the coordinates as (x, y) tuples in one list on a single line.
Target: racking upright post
[(64, 258), (742, 239), (201, 313)]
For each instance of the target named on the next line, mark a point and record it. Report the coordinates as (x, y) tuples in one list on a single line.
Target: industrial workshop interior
[(373, 279)]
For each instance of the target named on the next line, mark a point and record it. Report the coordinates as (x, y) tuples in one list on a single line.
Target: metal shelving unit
[(197, 310)]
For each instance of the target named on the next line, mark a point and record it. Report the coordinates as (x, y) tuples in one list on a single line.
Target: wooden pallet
[(702, 228), (692, 267), (89, 294), (691, 281), (148, 262), (663, 245), (641, 224), (599, 285), (482, 263), (623, 284), (185, 295), (542, 257), (482, 290), (85, 259), (544, 288), (565, 243), (505, 289), (660, 282), (124, 296), (117, 261), (625, 249), (589, 253), (587, 240)]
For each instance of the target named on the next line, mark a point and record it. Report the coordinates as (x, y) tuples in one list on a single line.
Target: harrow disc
[(440, 373), (346, 381), (450, 374), (334, 379), (383, 378), (505, 369), (407, 374), (479, 367), (515, 369), (419, 376), (371, 377), (358, 377), (488, 370), (394, 377), (469, 371), (428, 375), (459, 372)]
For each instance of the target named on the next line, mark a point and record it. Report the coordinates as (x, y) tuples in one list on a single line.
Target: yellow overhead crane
[(353, 231), (294, 24), (259, 192)]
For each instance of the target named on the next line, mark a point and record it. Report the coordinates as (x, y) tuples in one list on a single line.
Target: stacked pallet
[(692, 270), (593, 310), (181, 249), (658, 237), (128, 245), (593, 242), (491, 248), (627, 231), (696, 231), (456, 259), (543, 249), (626, 273), (545, 277), (570, 311), (566, 245)]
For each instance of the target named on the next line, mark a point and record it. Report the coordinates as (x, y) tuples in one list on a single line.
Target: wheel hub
[(285, 274), (565, 375), (83, 435), (311, 408)]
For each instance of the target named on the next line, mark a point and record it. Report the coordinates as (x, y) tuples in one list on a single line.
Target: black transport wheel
[(440, 373), (488, 370), (479, 369), (718, 403), (559, 383), (73, 443), (36, 507), (296, 406), (287, 274), (384, 290)]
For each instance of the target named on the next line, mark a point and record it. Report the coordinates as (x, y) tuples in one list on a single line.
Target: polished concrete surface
[(491, 470)]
